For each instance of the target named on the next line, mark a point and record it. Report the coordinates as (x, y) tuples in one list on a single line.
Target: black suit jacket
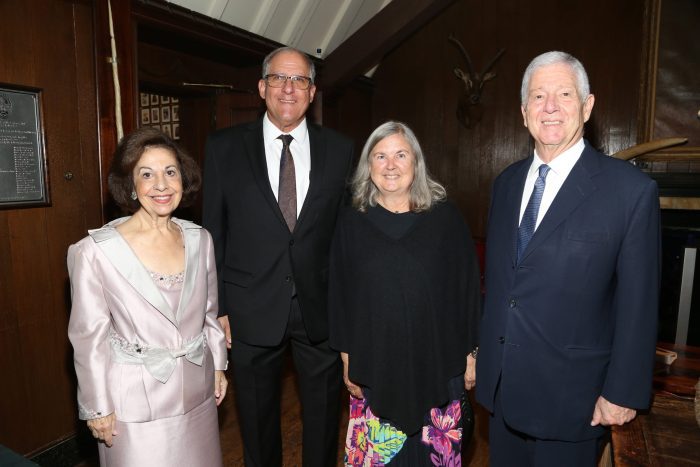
[(576, 317), (258, 260)]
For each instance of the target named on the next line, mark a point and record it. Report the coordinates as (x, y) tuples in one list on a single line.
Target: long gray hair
[(583, 88), (424, 190)]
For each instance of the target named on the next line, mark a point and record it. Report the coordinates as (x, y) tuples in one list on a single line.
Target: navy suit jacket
[(258, 260), (576, 317)]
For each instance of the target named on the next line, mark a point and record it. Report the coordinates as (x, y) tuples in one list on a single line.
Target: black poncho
[(406, 310)]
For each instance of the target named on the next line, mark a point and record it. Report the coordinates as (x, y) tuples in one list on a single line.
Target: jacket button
[(502, 340), (291, 242), (288, 279), (513, 303)]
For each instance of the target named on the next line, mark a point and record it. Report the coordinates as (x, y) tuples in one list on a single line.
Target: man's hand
[(606, 413), (223, 320)]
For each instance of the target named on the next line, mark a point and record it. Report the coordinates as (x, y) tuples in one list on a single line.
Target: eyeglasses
[(275, 80)]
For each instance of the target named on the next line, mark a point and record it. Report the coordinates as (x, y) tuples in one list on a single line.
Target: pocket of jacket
[(588, 236), (584, 351), (237, 276)]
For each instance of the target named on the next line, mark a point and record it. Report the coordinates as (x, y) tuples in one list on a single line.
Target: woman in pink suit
[(149, 353)]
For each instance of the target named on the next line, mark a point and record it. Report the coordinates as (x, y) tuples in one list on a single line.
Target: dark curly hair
[(129, 152)]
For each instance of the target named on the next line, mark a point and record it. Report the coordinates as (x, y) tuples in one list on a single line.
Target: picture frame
[(666, 105), (145, 101), (165, 114), (145, 116), (155, 115), (165, 128), (23, 165), (175, 113), (176, 131)]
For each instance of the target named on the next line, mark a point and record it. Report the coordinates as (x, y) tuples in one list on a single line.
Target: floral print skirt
[(373, 441)]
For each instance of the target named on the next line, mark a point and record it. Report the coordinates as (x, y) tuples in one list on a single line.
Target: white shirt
[(301, 153), (559, 169)]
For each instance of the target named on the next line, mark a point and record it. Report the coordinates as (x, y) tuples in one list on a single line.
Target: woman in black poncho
[(403, 308)]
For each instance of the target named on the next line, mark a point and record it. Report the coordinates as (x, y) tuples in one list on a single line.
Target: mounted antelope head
[(469, 108)]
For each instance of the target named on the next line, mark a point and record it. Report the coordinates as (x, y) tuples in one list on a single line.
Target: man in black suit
[(270, 203)]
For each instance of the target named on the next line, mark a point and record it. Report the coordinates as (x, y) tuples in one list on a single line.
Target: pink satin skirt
[(189, 440)]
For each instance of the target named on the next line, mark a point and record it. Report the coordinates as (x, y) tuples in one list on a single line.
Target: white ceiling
[(315, 26)]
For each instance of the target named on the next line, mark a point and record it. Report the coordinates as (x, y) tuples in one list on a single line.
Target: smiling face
[(392, 167), (286, 106), (555, 113), (158, 182)]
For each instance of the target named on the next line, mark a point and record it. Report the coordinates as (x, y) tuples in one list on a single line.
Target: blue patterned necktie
[(529, 220)]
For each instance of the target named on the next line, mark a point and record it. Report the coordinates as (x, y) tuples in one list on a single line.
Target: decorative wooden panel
[(48, 45)]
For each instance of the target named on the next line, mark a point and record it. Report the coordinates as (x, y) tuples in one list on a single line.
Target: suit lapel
[(191, 236), (318, 162), (120, 254), (576, 188), (515, 193), (255, 149)]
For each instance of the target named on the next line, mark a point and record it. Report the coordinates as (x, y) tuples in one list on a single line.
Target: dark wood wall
[(415, 83), (46, 44)]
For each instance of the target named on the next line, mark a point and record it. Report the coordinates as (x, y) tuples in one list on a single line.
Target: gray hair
[(273, 54), (424, 190), (551, 58)]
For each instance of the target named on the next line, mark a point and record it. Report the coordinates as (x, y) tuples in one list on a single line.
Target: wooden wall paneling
[(196, 122), (165, 69), (350, 111), (42, 313), (235, 108), (12, 393), (76, 206), (415, 83), (90, 175), (388, 28), (125, 38), (669, 99), (165, 23), (41, 50)]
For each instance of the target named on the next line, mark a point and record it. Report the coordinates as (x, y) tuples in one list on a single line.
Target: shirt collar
[(563, 163), (271, 132)]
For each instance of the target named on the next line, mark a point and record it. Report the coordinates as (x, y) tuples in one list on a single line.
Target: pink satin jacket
[(133, 354)]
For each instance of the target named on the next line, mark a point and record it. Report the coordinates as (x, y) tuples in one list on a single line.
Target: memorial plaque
[(22, 155)]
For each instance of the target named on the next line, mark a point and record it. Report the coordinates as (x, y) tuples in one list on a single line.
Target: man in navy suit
[(272, 190), (572, 272)]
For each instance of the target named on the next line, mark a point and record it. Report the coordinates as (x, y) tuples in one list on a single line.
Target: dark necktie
[(287, 191), (529, 220)]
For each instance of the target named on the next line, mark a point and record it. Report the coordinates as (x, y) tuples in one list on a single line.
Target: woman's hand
[(354, 390), (104, 428), (470, 374), (220, 386)]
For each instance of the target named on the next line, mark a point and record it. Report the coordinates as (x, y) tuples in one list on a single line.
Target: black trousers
[(257, 375), (511, 448)]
